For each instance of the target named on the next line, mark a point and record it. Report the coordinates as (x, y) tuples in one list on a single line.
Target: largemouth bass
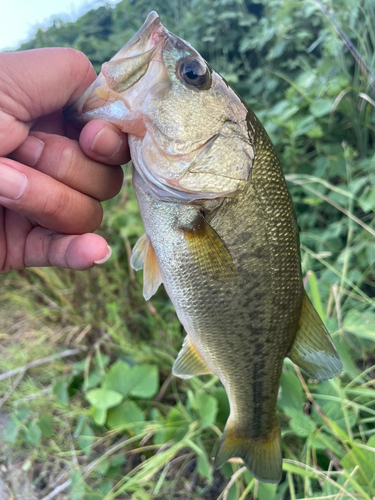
[(220, 232)]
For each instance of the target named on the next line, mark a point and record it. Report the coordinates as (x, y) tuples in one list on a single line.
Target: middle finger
[(63, 159)]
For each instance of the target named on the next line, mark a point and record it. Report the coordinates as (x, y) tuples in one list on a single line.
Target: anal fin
[(143, 257), (189, 362), (262, 456), (313, 349)]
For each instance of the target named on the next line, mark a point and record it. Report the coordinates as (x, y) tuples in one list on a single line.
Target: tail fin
[(262, 456)]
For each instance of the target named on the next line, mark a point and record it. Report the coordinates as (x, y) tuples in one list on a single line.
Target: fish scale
[(220, 233)]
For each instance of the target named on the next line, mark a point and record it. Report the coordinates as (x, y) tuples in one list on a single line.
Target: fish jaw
[(114, 95)]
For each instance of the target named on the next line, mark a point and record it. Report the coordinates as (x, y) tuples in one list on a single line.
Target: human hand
[(51, 185)]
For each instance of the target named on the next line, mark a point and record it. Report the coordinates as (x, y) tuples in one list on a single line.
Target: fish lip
[(152, 29), (148, 38), (73, 112)]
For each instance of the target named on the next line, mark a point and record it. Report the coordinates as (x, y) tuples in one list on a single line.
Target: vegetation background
[(92, 411)]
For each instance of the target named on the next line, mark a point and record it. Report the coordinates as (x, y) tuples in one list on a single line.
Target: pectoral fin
[(189, 362), (313, 349), (138, 253), (208, 249), (143, 257)]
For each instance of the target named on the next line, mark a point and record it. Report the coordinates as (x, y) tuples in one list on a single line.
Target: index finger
[(37, 82)]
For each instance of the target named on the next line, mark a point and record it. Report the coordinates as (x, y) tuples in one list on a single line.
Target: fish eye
[(194, 72)]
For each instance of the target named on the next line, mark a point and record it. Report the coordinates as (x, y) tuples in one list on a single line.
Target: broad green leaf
[(204, 466), (119, 378), (220, 394), (33, 434), (176, 424), (23, 413), (99, 415), (322, 441), (365, 459), (77, 487), (321, 107), (360, 324), (127, 414), (347, 356), (334, 412), (281, 489), (105, 487), (93, 380), (159, 436), (266, 491), (61, 391), (45, 425), (11, 433), (86, 440), (79, 426), (300, 423), (207, 408), (292, 394), (332, 490), (316, 132), (145, 381), (101, 359), (104, 398), (315, 295), (118, 460), (304, 125), (232, 494)]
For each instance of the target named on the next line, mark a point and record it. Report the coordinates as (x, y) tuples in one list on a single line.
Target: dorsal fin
[(208, 249), (189, 362), (143, 257), (313, 349)]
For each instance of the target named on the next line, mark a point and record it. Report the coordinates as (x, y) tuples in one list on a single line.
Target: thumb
[(38, 82)]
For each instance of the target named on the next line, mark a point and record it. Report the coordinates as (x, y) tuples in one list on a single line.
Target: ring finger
[(46, 201)]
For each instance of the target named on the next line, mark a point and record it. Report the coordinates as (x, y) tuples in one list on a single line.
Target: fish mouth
[(120, 74)]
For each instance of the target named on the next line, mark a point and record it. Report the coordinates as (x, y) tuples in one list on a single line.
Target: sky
[(20, 19)]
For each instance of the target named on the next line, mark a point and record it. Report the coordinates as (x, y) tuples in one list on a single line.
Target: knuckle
[(67, 162), (54, 206), (46, 248), (70, 212), (80, 65), (97, 217), (114, 184)]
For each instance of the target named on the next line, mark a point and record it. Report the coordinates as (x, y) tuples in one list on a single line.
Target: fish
[(220, 233)]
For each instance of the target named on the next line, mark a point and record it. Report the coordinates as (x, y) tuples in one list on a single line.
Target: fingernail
[(104, 259), (30, 150), (12, 182), (106, 143)]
